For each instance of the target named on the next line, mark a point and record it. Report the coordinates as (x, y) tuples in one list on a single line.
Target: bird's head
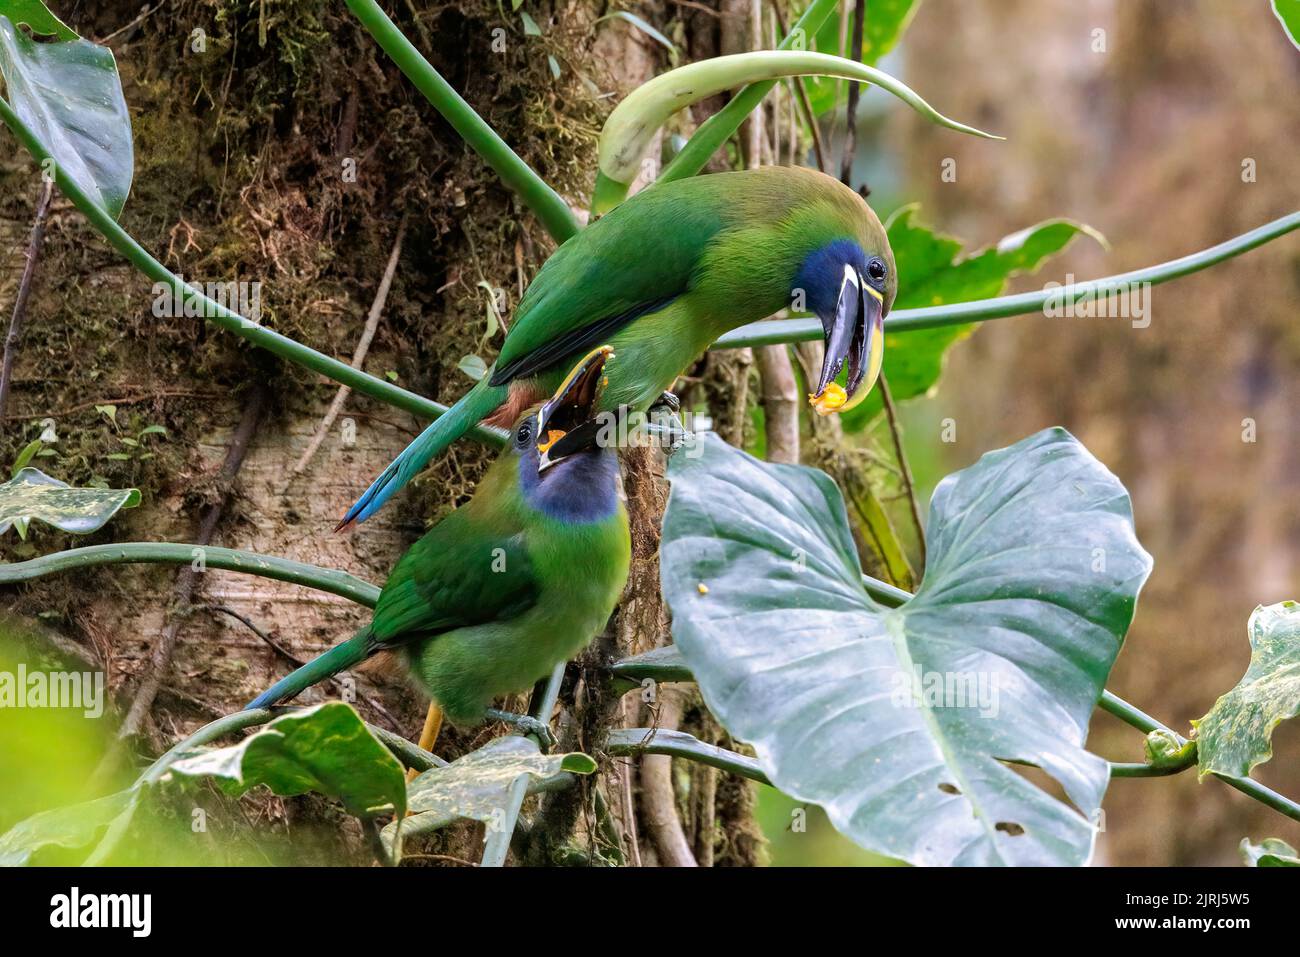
[(849, 284), (566, 425)]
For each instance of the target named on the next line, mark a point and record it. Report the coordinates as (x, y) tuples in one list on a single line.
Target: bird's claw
[(526, 725), (665, 425), (668, 401)]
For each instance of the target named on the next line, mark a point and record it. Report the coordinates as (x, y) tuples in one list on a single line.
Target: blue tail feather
[(474, 406)]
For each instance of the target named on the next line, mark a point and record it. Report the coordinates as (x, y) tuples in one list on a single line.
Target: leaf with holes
[(327, 749), (904, 723), (477, 786), (31, 494), (1236, 733), (70, 96), (934, 272), (1270, 852)]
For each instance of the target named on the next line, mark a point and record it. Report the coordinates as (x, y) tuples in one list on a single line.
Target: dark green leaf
[(1288, 14), (31, 494), (26, 455), (932, 271), (1236, 734), (327, 749), (39, 18), (69, 95), (902, 723), (1270, 852)]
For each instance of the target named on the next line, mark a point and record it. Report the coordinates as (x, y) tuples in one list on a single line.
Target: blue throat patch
[(580, 488)]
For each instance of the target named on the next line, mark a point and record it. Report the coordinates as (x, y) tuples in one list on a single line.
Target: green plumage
[(659, 278), (719, 251), (501, 590)]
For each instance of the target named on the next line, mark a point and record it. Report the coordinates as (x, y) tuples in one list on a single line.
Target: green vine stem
[(720, 127), (545, 202), (497, 843), (911, 320), (412, 755), (679, 744), (175, 553), (630, 129), (260, 336), (210, 732)]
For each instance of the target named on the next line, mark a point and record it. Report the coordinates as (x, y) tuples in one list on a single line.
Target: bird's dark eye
[(876, 270), (525, 433)]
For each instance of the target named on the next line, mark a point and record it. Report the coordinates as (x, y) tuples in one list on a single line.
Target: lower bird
[(514, 582)]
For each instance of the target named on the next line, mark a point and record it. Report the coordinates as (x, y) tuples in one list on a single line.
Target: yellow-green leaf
[(1270, 852), (1236, 733), (33, 495)]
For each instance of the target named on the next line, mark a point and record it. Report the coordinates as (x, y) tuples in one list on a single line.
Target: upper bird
[(665, 274), (515, 581)]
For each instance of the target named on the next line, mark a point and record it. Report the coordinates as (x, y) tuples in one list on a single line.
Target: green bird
[(515, 581), (663, 276)]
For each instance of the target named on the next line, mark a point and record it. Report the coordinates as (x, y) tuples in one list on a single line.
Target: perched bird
[(513, 582), (666, 273)]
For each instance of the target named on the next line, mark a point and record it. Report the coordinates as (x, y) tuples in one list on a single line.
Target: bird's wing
[(459, 574), (631, 262)]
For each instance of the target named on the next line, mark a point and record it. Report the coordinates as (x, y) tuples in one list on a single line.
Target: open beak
[(854, 334), (567, 422)]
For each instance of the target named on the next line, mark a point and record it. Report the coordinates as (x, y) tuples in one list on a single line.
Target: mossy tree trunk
[(275, 144)]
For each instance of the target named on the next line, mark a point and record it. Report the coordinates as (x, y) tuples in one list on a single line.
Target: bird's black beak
[(854, 334), (567, 422)]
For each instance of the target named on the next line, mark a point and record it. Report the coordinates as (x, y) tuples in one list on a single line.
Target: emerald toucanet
[(516, 580), (666, 273)]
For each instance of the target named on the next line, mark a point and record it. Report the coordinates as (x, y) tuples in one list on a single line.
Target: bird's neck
[(582, 488)]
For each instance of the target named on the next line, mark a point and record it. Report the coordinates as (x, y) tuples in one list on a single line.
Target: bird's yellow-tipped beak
[(855, 336), (566, 421)]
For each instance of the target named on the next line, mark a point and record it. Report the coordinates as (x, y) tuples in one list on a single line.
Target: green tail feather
[(339, 658)]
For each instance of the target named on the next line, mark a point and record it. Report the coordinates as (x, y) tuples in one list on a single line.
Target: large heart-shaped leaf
[(477, 786), (31, 494), (74, 826), (932, 272), (69, 95), (1237, 732), (327, 749), (901, 723)]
